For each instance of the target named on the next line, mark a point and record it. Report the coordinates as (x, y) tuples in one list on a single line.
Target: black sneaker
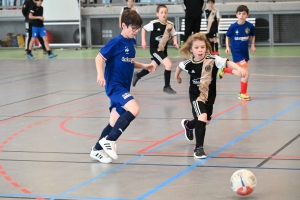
[(189, 133), (135, 79), (169, 90), (199, 153)]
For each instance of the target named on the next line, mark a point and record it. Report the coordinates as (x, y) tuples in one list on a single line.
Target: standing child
[(161, 31), (38, 28), (213, 20), (202, 68), (119, 55), (130, 5), (239, 34)]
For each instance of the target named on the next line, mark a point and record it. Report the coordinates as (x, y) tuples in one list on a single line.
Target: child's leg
[(46, 43), (216, 45), (212, 45), (244, 81), (167, 75), (138, 75), (104, 133)]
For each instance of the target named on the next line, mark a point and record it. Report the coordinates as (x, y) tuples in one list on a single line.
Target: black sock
[(167, 75), (200, 133), (121, 124), (217, 46), (104, 133), (212, 46), (142, 73), (49, 52), (28, 51), (192, 124)]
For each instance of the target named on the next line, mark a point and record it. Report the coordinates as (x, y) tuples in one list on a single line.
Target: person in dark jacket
[(28, 25), (193, 12)]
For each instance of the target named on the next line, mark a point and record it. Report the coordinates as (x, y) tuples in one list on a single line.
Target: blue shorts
[(38, 31), (118, 99)]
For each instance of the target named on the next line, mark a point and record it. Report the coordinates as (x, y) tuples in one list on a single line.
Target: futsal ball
[(243, 182)]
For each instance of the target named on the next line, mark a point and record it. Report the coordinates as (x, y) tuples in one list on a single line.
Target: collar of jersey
[(197, 62)]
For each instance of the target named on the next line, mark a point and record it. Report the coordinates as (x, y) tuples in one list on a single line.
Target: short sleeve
[(149, 26), (220, 62), (109, 49), (122, 10), (182, 66), (229, 31), (218, 14)]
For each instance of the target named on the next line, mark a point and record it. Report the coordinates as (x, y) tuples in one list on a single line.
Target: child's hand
[(42, 18), (101, 81), (253, 49), (227, 50), (150, 67), (178, 79), (176, 45), (144, 45)]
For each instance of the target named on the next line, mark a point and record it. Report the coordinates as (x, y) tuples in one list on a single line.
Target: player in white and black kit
[(28, 25), (162, 31), (203, 69), (213, 19)]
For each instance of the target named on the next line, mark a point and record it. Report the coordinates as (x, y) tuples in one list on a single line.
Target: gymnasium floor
[(52, 112)]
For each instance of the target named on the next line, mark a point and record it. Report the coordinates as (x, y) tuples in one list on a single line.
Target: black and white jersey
[(203, 77), (212, 17), (160, 34), (37, 11)]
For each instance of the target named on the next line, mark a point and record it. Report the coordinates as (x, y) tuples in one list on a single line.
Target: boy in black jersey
[(213, 20), (203, 69), (28, 25), (38, 29), (161, 31)]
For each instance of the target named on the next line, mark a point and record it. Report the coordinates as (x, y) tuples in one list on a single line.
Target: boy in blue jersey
[(239, 34), (119, 55)]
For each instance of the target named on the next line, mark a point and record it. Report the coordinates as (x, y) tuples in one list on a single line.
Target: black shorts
[(211, 35), (158, 56), (198, 108)]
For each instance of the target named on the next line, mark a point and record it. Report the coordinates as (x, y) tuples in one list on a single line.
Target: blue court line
[(160, 186), (167, 142)]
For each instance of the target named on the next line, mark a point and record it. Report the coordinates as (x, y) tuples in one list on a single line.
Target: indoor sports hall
[(52, 112)]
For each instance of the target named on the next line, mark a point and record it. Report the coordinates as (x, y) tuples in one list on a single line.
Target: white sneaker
[(110, 147), (100, 155)]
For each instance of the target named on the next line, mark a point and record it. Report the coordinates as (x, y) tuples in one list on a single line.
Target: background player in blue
[(119, 55), (162, 30), (239, 34), (202, 68)]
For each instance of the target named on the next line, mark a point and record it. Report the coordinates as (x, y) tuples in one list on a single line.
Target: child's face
[(130, 31), (130, 3), (242, 16), (39, 3), (210, 5), (198, 49), (162, 14)]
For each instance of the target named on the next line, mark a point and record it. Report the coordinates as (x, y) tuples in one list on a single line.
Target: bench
[(223, 25)]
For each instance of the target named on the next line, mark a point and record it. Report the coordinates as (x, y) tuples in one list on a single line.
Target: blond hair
[(185, 49)]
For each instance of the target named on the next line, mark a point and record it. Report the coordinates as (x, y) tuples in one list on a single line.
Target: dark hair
[(185, 49), (160, 6), (242, 8), (213, 1), (131, 17)]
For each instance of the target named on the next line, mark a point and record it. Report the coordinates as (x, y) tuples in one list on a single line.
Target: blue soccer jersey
[(239, 39), (119, 54)]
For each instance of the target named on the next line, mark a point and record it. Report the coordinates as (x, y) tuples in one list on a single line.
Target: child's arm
[(227, 45), (149, 67), (253, 49), (35, 17), (177, 74), (143, 34), (175, 41), (237, 70), (99, 60), (120, 25)]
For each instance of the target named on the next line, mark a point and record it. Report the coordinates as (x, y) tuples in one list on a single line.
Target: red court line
[(180, 132)]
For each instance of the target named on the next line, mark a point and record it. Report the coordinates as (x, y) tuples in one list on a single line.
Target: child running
[(203, 69), (161, 31), (119, 55), (239, 34)]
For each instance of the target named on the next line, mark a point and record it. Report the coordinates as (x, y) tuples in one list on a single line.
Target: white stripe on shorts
[(196, 108), (157, 57)]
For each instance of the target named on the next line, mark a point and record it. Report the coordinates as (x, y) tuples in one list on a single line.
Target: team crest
[(208, 68), (247, 30)]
